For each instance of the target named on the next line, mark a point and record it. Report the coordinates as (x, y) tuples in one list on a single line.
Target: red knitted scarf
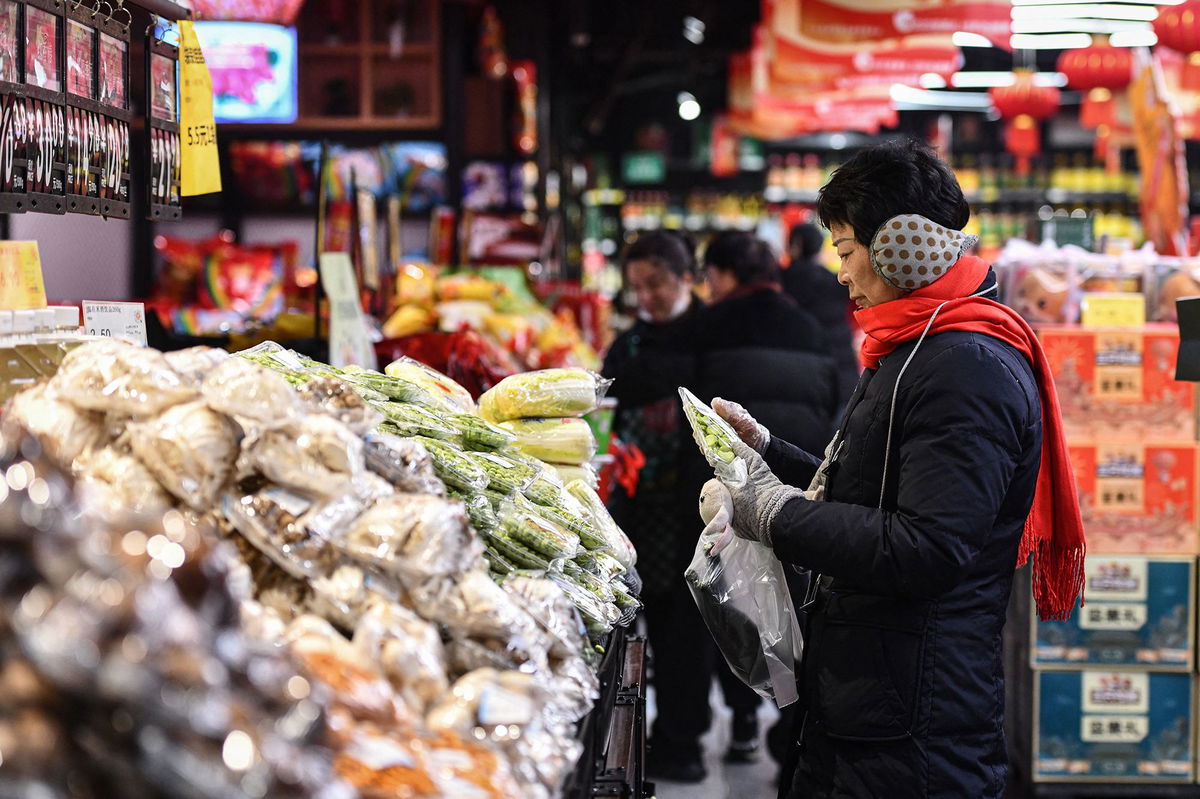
[(1053, 534)]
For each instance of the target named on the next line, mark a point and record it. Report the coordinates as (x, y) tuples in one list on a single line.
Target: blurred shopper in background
[(816, 290)]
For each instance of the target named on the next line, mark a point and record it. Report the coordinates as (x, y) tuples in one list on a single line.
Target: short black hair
[(747, 256), (885, 180), (805, 240), (672, 251)]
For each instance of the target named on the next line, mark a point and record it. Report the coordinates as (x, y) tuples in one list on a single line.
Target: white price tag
[(123, 320)]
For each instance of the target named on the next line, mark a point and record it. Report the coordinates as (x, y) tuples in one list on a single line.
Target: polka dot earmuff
[(910, 251)]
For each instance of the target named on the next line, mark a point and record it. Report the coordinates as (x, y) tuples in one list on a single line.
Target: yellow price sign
[(21, 283), (197, 129), (1113, 309)]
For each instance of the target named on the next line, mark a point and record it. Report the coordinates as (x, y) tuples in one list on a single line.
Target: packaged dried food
[(543, 394), (454, 466), (471, 604), (190, 448), (486, 699), (429, 387), (291, 529), (602, 523), (408, 648), (479, 435), (241, 388), (195, 363), (381, 765), (119, 377), (335, 397), (413, 535), (64, 430), (567, 440), (404, 463), (545, 601), (116, 485), (340, 596), (410, 419), (506, 475), (314, 454)]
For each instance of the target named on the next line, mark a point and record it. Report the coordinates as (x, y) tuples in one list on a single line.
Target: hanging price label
[(349, 342), (123, 320), (197, 129), (21, 276)]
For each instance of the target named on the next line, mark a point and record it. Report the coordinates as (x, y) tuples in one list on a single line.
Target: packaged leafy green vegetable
[(425, 386), (453, 466), (479, 435), (715, 438), (407, 419), (546, 393), (538, 533), (506, 475), (567, 440)]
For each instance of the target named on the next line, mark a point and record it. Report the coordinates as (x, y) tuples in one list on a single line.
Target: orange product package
[(1119, 384), (1138, 498)]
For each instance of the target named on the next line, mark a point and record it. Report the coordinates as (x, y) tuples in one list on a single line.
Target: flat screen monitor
[(253, 67)]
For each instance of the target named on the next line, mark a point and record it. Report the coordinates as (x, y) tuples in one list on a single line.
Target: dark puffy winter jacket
[(902, 684), (816, 290), (763, 351)]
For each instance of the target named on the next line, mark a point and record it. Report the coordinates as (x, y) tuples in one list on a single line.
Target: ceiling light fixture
[(1134, 39), (693, 30), (987, 80), (965, 39), (1097, 10), (1050, 41), (689, 106), (1077, 26)]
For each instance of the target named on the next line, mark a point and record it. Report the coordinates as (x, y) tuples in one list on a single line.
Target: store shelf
[(333, 125), (415, 50)]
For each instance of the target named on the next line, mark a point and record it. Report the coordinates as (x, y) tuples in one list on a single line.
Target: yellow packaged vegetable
[(566, 440), (546, 393)]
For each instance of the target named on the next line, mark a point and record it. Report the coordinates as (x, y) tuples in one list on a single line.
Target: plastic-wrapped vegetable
[(599, 617), (544, 600), (601, 564), (505, 474), (538, 533), (514, 550), (546, 393), (314, 454), (568, 514), (545, 489), (602, 522), (413, 535), (590, 582), (117, 377), (242, 388), (64, 430), (454, 466), (190, 449), (407, 419), (337, 398), (497, 561), (584, 472), (567, 440), (479, 510), (715, 439), (404, 463), (429, 387), (479, 435)]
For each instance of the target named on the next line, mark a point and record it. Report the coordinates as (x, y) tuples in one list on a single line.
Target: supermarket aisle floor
[(750, 781)]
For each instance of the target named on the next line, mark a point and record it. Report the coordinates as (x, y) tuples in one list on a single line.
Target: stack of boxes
[(1115, 686)]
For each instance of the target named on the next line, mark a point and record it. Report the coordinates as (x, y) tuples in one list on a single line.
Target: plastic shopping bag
[(715, 438), (740, 589)]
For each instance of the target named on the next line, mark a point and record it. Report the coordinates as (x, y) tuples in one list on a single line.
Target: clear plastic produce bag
[(715, 438), (740, 589)]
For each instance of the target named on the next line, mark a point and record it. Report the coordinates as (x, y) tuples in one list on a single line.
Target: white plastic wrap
[(415, 536), (64, 430), (241, 388), (114, 486), (314, 454), (408, 649), (195, 363), (543, 394), (190, 448), (119, 377), (715, 438)]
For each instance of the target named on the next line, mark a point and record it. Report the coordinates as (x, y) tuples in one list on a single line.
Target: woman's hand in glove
[(756, 436), (759, 499)]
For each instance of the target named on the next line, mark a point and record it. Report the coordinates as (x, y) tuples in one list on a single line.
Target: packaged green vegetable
[(567, 440), (715, 438), (545, 490), (537, 532), (429, 387), (407, 419), (478, 434), (453, 466), (601, 564), (506, 474), (588, 581), (567, 513), (546, 393), (479, 510), (602, 522), (518, 553), (498, 561), (585, 472)]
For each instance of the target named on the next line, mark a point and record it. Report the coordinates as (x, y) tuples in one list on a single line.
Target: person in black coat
[(816, 290), (916, 518)]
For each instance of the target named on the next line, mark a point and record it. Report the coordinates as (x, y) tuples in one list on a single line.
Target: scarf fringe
[(1058, 574)]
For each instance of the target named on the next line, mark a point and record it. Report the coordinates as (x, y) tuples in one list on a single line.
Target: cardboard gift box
[(1119, 383), (1137, 498), (1140, 611), (1113, 726)]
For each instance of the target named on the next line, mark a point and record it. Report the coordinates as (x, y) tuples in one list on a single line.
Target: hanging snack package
[(567, 440), (117, 377), (414, 536), (335, 397), (602, 522), (242, 388), (191, 449), (65, 431), (715, 438), (546, 393), (429, 387), (316, 455)]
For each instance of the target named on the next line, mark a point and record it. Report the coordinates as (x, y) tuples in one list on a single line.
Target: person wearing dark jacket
[(949, 470), (816, 290)]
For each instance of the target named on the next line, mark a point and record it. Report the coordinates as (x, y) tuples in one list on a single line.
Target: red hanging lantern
[(1178, 27), (1099, 71), (1024, 105)]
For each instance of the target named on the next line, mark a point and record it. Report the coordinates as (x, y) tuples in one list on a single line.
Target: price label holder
[(21, 284), (1112, 309), (41, 115), (107, 142), (123, 320), (163, 149), (200, 164), (349, 342)]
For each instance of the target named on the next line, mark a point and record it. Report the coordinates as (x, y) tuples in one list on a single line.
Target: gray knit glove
[(757, 501)]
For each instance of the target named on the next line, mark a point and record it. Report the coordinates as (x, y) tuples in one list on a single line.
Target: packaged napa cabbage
[(566, 440), (715, 438), (426, 386), (546, 393), (584, 472)]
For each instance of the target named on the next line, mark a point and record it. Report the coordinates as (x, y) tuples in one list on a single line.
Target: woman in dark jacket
[(950, 467)]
